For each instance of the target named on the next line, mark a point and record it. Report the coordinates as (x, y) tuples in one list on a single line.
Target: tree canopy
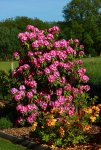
[(83, 18)]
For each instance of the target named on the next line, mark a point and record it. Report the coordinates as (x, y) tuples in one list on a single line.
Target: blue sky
[(46, 10)]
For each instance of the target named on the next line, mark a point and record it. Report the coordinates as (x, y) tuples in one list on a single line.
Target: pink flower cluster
[(82, 75), (28, 108), (48, 74)]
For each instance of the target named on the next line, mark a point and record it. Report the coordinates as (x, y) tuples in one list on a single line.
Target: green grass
[(7, 65), (7, 145), (93, 66)]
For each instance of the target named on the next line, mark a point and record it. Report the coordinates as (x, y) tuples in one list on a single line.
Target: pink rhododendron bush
[(51, 93)]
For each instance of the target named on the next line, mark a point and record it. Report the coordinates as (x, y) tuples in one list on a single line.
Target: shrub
[(5, 123), (51, 89)]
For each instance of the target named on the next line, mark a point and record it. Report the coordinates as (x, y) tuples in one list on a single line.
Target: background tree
[(9, 30), (83, 19)]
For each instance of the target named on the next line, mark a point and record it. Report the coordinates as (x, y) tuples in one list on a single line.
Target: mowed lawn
[(7, 145), (8, 65), (93, 66)]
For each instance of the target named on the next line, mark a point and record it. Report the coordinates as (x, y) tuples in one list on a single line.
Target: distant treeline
[(82, 20)]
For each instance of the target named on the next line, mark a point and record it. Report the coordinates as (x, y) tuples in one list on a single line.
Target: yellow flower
[(51, 122), (54, 110), (96, 108), (53, 147), (92, 118), (62, 132), (34, 126), (88, 110)]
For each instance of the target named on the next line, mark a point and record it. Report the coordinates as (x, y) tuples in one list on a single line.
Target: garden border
[(21, 141)]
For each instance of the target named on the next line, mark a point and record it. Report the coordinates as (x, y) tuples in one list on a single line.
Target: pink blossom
[(70, 112), (37, 53), (61, 99), (56, 63), (81, 46), (46, 43), (63, 43), (48, 97), (52, 67), (75, 90), (31, 107), (30, 27), (22, 87), (19, 120), (63, 80), (14, 90), (47, 56), (86, 87), (34, 61), (26, 66), (50, 36), (47, 71), (53, 53), (30, 54), (54, 30), (32, 35), (16, 55), (41, 59), (34, 91), (21, 92), (35, 44), (32, 83), (57, 44), (56, 74), (59, 91), (70, 50), (51, 78), (22, 109), (43, 105), (22, 37), (76, 41), (18, 97), (79, 62), (84, 78), (81, 53), (70, 98), (29, 94), (68, 87), (30, 119), (81, 71)]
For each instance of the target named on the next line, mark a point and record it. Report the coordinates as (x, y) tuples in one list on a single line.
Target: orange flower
[(51, 122), (34, 126), (54, 110), (88, 110), (67, 124), (62, 132), (86, 127), (99, 105)]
